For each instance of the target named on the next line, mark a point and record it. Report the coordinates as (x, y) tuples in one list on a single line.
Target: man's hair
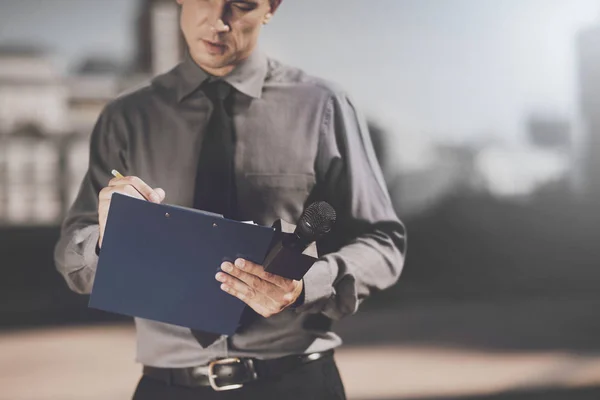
[(274, 3)]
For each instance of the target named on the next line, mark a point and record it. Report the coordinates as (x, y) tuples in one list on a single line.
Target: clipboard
[(159, 262)]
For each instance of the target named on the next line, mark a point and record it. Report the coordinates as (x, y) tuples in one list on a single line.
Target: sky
[(458, 70)]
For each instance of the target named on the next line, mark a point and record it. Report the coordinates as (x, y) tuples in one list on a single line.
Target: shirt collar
[(248, 77)]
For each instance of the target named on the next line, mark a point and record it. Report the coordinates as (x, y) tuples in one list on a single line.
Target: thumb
[(161, 194)]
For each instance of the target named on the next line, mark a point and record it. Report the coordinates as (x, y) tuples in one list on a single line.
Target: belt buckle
[(212, 377)]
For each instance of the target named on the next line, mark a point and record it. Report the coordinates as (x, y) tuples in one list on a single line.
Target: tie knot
[(217, 89)]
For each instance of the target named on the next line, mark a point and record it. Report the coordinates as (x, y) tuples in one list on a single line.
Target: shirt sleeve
[(75, 253), (365, 250)]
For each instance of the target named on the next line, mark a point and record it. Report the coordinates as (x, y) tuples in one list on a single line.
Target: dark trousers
[(318, 380)]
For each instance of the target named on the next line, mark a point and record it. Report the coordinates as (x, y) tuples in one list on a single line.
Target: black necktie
[(215, 179)]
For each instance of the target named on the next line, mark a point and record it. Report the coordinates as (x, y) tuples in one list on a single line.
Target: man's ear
[(267, 18), (180, 2)]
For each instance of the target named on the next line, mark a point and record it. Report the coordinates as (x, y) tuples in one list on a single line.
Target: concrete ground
[(506, 349)]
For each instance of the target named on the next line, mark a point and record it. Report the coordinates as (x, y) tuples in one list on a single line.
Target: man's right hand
[(130, 186)]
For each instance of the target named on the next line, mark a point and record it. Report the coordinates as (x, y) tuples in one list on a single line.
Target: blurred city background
[(485, 116)]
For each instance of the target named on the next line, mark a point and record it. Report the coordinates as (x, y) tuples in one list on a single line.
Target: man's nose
[(220, 27), (220, 17)]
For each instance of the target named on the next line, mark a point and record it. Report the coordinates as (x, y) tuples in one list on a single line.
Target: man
[(232, 131)]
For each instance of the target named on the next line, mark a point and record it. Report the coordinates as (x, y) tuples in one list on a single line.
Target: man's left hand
[(265, 293)]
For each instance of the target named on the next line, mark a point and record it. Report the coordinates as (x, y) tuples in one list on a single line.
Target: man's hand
[(265, 293), (130, 186)]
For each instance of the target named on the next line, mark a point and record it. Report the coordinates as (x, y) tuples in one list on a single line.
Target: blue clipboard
[(159, 262)]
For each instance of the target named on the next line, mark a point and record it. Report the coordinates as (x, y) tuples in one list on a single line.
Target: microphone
[(285, 256), (315, 222)]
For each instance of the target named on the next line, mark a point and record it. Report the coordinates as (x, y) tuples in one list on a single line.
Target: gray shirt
[(299, 139)]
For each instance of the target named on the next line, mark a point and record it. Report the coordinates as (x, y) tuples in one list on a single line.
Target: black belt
[(231, 373)]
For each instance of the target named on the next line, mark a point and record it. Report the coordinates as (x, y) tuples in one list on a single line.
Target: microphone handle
[(295, 242)]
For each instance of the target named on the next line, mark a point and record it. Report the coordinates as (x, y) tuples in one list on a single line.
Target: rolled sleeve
[(79, 261)]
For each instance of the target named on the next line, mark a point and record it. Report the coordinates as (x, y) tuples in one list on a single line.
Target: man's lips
[(214, 46)]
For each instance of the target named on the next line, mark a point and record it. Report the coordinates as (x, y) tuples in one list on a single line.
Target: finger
[(255, 305), (128, 190), (259, 270), (141, 186), (240, 287), (250, 294), (256, 283), (161, 194), (116, 181)]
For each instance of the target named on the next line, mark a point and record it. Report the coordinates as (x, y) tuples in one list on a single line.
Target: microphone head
[(315, 221)]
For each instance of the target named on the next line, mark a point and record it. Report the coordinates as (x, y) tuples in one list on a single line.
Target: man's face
[(221, 33)]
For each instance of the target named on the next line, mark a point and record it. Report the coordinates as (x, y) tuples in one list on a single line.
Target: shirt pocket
[(269, 197)]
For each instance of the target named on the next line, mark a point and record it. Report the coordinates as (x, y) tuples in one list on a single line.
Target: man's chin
[(213, 61)]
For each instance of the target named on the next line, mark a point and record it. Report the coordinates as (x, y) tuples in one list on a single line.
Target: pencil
[(117, 174)]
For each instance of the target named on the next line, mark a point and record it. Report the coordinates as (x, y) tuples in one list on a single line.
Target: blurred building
[(160, 42), (33, 115), (31, 91), (588, 49), (45, 122), (46, 118), (94, 83), (28, 191), (425, 172), (549, 132), (562, 138)]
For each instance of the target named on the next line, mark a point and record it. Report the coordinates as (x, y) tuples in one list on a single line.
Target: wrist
[(300, 295)]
